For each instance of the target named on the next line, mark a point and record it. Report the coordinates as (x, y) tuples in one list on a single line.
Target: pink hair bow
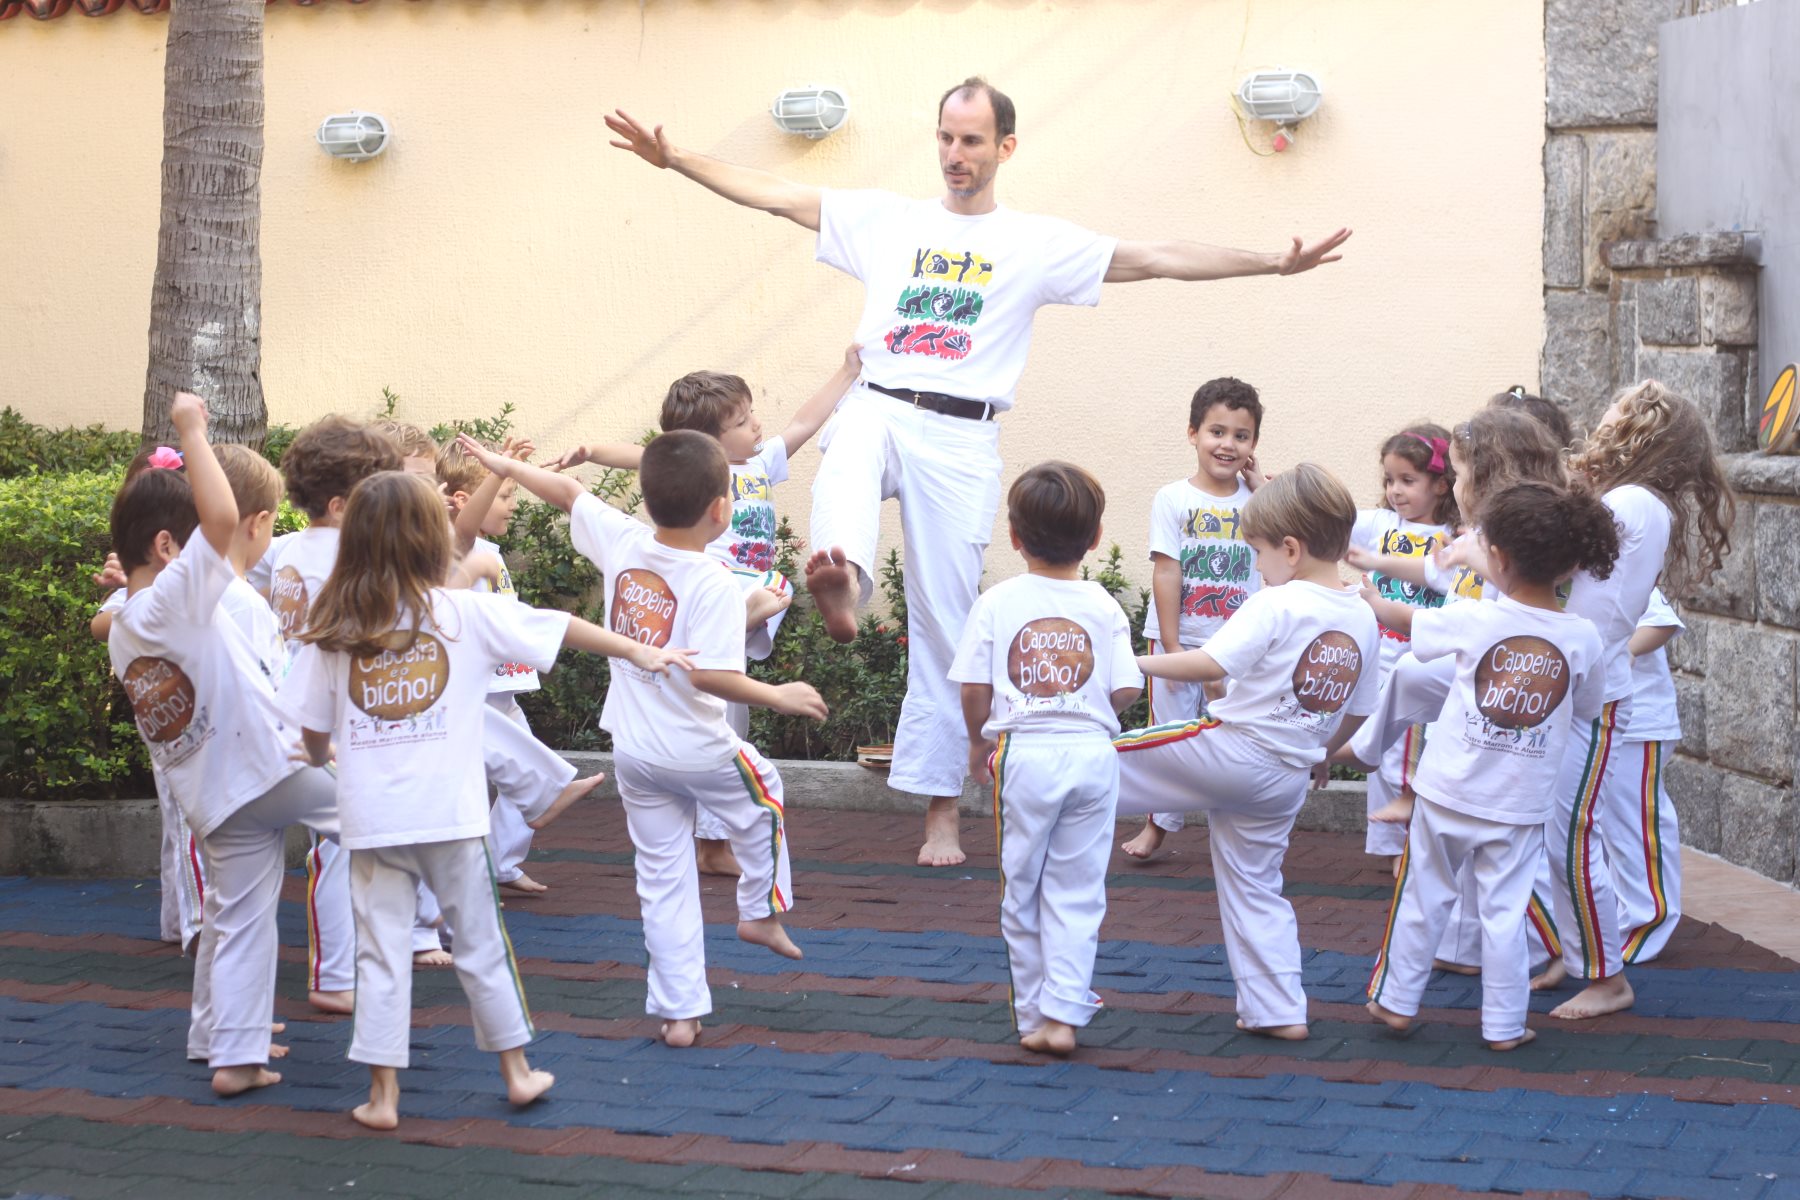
[(1439, 448), (164, 458)]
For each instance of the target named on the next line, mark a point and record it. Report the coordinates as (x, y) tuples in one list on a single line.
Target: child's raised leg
[(749, 804)]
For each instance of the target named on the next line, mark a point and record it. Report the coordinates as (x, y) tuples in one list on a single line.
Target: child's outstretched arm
[(1646, 639), (1192, 666), (792, 699), (1391, 613), (1124, 698), (551, 488), (212, 491), (619, 456), (1400, 566), (469, 518), (585, 635), (822, 403)]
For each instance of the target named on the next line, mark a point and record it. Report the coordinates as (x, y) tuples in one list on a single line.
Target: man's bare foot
[(523, 1085), (768, 932), (433, 958), (1397, 811), (1390, 1018), (1530, 1035), (341, 1003), (1054, 1038), (1148, 841), (714, 857), (524, 885), (1598, 998), (762, 603), (943, 834), (1285, 1033), (1455, 968), (231, 1081), (383, 1108), (576, 790), (833, 581), (681, 1034), (1552, 977)]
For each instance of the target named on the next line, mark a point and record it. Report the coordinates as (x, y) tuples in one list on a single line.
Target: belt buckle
[(918, 401)]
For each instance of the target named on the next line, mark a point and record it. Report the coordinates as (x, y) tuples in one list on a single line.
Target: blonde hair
[(460, 471), (255, 483), (412, 439), (1503, 446), (1306, 503), (1662, 442), (394, 549)]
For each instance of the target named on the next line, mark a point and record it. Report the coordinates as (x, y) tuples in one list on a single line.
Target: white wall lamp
[(1282, 96), (811, 112), (353, 136)]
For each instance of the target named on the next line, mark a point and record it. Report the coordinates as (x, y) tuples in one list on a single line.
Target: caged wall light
[(811, 112), (1281, 96), (353, 136)]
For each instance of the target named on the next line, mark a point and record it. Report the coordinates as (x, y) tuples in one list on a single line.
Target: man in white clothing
[(951, 287)]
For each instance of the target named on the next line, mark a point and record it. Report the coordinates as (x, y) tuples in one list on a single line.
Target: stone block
[(1620, 194), (1600, 61), (1577, 369), (1728, 309), (1687, 651), (1778, 563), (1668, 311), (1750, 701), (1624, 338), (1756, 825), (1764, 474), (1713, 381), (1732, 592), (1738, 248), (1565, 157), (1696, 789), (1690, 707)]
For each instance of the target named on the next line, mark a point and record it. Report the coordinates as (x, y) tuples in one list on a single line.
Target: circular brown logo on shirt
[(1520, 681), (287, 596), (643, 607), (162, 698), (400, 683), (1327, 672), (1050, 656)]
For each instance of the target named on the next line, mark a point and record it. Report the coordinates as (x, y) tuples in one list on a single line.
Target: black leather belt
[(937, 402)]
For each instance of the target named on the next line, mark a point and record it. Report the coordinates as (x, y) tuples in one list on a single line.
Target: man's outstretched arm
[(1133, 261), (747, 186)]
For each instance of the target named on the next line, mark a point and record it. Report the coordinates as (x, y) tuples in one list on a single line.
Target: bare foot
[(230, 1081), (1530, 1035), (524, 885), (383, 1109), (1390, 1018), (714, 857), (943, 834), (1394, 865), (433, 958), (1054, 1038), (768, 932), (832, 580), (1285, 1033), (523, 1085), (1552, 977), (1145, 845), (1397, 811), (762, 603), (681, 1034), (1455, 968), (1598, 998), (277, 1050), (341, 1003), (576, 790)]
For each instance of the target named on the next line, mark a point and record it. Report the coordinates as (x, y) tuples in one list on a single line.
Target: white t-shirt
[(1203, 534), (509, 677), (1615, 604), (1455, 583), (948, 300), (1298, 658), (1385, 532), (258, 575), (1054, 651), (749, 544), (300, 571), (662, 596), (202, 692), (407, 724), (1652, 716), (1523, 676)]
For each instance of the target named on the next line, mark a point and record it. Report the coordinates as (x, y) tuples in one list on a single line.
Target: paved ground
[(887, 1067)]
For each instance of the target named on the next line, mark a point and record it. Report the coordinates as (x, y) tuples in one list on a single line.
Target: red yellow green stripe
[(997, 769), (1414, 751), (314, 959), (1378, 977), (1162, 735), (765, 800), (512, 963), (1649, 803), (1538, 913), (1578, 861)]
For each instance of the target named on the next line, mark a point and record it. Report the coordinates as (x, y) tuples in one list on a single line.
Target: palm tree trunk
[(206, 303)]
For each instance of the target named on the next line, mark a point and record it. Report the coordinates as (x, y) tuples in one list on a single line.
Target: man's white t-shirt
[(1615, 604), (948, 299), (1203, 533), (1054, 651), (1652, 715), (1298, 658), (202, 692), (661, 596), (1523, 676), (1385, 532), (509, 677), (749, 543), (300, 572), (407, 724)]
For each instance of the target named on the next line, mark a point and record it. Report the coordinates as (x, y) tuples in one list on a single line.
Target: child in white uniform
[(1201, 566), (1646, 869), (672, 746), (1300, 657), (394, 671), (1525, 673), (1046, 665)]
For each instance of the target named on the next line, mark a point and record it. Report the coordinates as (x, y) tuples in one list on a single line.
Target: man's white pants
[(1587, 911), (234, 970), (1502, 860), (527, 774), (183, 876), (945, 471), (384, 890), (1643, 844), (1250, 798), (1055, 796), (660, 803), (1172, 701)]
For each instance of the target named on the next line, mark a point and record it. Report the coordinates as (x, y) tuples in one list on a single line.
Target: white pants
[(526, 774), (659, 810), (945, 471), (1172, 701), (1643, 844), (183, 876), (1461, 943), (759, 643), (1587, 912), (1412, 696), (1250, 798), (1386, 783), (1501, 859), (234, 971), (384, 889), (1055, 796)]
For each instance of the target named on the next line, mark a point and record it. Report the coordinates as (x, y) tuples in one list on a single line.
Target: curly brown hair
[(1550, 532), (330, 457), (1500, 447)]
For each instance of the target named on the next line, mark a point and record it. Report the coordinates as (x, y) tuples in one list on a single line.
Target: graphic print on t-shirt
[(643, 607), (752, 521), (1403, 544), (1213, 576), (939, 306), (287, 596), (162, 698), (1519, 682), (1327, 672), (957, 306), (1051, 656), (397, 684)]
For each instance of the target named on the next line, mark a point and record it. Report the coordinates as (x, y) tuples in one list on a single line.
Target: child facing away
[(1202, 569), (1046, 666), (193, 645), (1300, 658), (1525, 674), (673, 748), (393, 674)]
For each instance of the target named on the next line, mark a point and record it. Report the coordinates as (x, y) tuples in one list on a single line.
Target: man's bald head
[(1005, 117)]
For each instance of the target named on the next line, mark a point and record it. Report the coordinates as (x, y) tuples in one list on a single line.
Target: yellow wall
[(501, 251)]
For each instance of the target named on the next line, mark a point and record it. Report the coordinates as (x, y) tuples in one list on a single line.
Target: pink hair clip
[(1439, 448), (164, 458)]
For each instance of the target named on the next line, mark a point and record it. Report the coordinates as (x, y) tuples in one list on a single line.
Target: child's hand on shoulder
[(800, 700), (981, 753), (659, 659), (188, 414), (1367, 589), (1253, 475)]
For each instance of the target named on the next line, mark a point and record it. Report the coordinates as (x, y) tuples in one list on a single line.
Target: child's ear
[(721, 509), (1099, 532), (1014, 535), (458, 499), (334, 507), (1193, 435), (1292, 549)]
